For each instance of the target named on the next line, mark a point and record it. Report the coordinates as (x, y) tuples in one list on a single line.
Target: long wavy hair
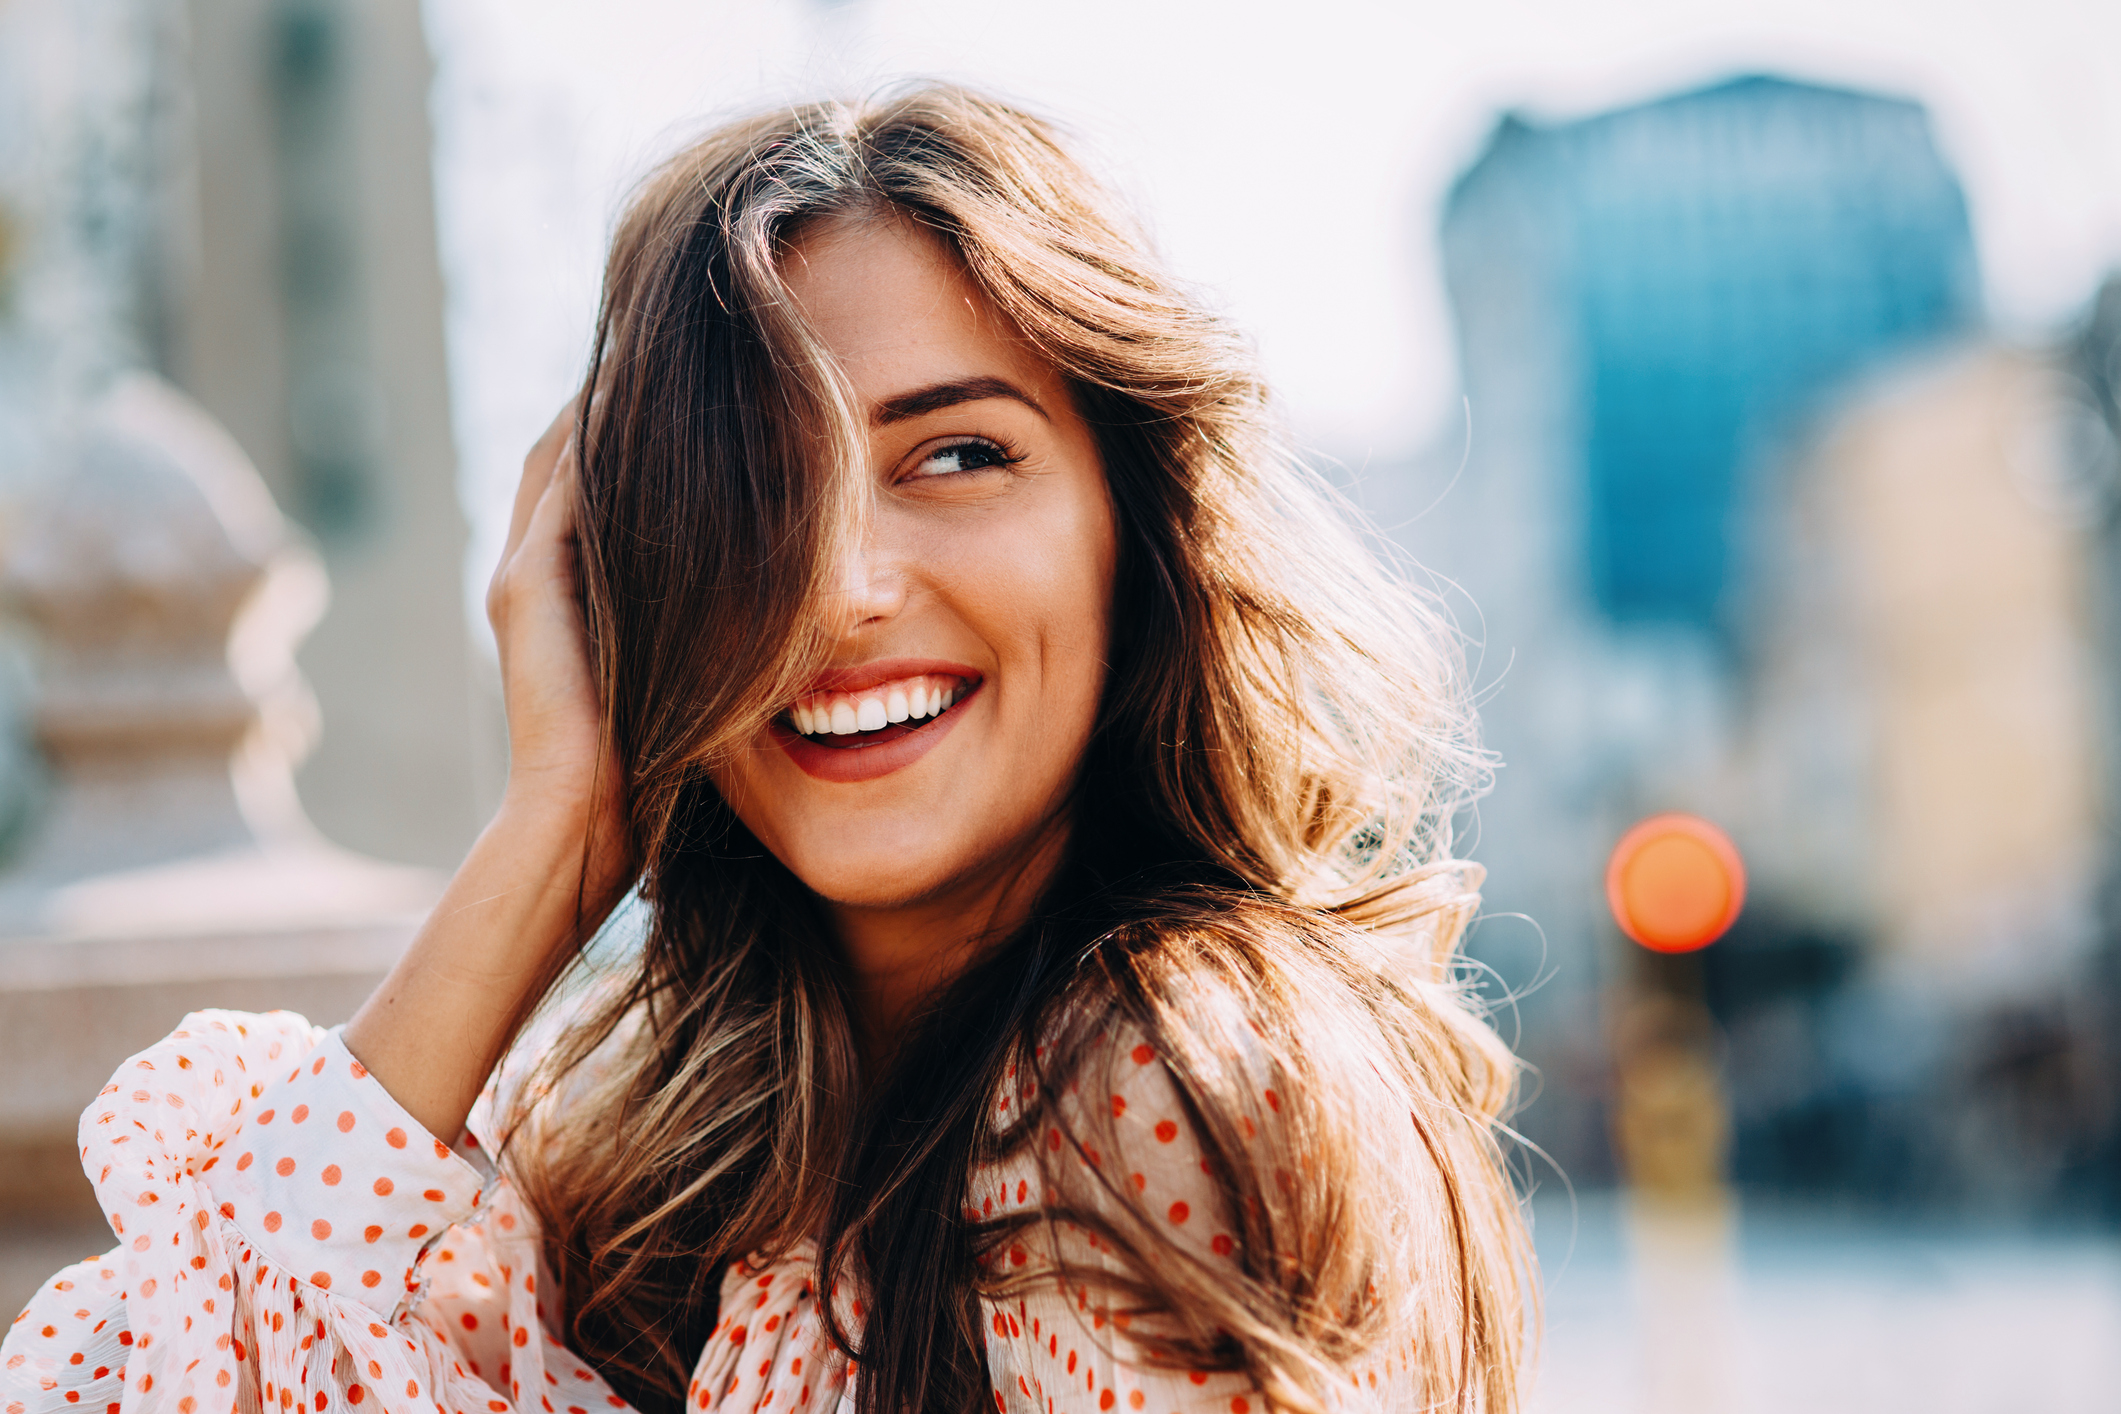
[(1261, 841)]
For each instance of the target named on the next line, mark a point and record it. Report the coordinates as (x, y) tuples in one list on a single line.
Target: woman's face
[(935, 754)]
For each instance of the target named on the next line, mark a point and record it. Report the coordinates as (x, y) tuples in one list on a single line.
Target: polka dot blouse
[(288, 1237)]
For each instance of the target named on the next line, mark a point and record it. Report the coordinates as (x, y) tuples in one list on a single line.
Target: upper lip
[(884, 670)]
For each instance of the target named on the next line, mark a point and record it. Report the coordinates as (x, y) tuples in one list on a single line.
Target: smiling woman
[(1042, 804)]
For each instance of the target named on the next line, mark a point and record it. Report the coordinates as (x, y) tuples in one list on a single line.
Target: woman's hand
[(560, 766), (555, 859)]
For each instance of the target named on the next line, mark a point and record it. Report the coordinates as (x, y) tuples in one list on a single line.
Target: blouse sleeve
[(288, 1236)]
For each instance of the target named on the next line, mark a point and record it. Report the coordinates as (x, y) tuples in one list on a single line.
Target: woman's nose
[(872, 588)]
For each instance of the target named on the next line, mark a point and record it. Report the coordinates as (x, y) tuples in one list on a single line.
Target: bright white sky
[(1292, 158)]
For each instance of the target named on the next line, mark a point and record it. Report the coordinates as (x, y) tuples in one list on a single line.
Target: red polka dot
[(417, 1230), (384, 1187), (272, 1222), (371, 1233), (1240, 1405), (355, 1394), (1119, 1105), (1199, 1377), (1134, 1399), (1273, 1102), (1166, 1131), (736, 1336), (1105, 1401), (301, 1113), (371, 1279), (1180, 1212), (284, 1167), (395, 1138), (265, 1116), (433, 1195), (245, 1162), (320, 1229), (331, 1175), (1222, 1244), (318, 1068), (345, 1121), (1143, 1055), (471, 1322)]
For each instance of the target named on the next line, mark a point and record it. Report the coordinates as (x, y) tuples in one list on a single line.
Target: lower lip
[(867, 763)]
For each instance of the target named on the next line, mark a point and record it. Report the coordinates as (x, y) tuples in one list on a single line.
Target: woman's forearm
[(433, 1031)]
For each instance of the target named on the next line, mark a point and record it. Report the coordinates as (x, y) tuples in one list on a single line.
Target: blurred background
[(1745, 378)]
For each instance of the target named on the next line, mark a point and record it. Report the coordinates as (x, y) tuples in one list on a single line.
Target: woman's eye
[(961, 456)]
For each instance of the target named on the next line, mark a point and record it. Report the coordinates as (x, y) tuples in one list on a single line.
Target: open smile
[(880, 712), (859, 724)]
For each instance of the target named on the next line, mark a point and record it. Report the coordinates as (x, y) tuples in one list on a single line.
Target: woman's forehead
[(897, 312)]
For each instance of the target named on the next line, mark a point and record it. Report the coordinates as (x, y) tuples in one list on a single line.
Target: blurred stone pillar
[(167, 864), (171, 867), (310, 323)]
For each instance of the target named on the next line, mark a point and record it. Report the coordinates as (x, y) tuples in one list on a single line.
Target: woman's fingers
[(549, 534), (538, 467)]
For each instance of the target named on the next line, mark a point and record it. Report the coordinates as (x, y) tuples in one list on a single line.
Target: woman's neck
[(901, 955)]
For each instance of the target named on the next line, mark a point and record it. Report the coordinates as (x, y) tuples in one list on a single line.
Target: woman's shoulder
[(1265, 1055)]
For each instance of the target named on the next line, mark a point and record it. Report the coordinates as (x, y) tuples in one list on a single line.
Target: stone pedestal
[(171, 868)]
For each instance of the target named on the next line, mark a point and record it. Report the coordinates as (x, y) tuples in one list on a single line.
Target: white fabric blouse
[(290, 1238)]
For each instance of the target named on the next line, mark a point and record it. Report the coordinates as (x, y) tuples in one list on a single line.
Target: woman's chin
[(919, 861), (875, 879)]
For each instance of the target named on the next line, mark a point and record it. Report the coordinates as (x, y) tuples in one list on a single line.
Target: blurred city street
[(1833, 1316)]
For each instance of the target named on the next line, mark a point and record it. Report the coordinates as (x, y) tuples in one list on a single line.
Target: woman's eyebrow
[(937, 396)]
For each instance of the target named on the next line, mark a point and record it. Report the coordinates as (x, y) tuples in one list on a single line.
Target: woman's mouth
[(877, 713)]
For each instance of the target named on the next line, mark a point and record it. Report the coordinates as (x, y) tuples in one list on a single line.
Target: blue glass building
[(1716, 262)]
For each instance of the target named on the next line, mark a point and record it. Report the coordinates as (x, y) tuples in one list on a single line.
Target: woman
[(1041, 802)]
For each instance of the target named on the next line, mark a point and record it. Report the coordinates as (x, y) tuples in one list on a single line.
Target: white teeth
[(841, 714)]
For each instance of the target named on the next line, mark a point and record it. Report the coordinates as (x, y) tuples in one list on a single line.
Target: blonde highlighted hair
[(1262, 826)]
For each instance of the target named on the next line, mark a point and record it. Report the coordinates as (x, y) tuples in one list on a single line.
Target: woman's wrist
[(534, 885), (568, 834)]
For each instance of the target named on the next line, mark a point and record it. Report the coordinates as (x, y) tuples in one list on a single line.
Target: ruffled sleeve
[(288, 1236)]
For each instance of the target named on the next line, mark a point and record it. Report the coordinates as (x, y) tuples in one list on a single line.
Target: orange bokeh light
[(1675, 883)]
